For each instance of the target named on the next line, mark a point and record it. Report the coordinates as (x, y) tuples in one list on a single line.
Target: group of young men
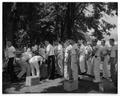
[(69, 59), (88, 58)]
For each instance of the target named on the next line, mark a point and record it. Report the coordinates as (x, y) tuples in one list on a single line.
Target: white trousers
[(35, 67), (96, 68), (66, 76), (106, 71), (89, 66), (82, 63), (74, 67)]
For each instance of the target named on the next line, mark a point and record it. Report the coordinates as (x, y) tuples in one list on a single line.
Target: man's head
[(46, 43), (72, 42), (103, 42), (94, 42), (111, 41), (79, 41), (85, 43), (9, 44)]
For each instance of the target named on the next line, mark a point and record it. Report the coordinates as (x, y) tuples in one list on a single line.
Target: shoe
[(80, 76), (96, 81), (14, 81), (107, 78)]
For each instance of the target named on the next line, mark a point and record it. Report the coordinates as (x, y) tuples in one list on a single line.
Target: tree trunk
[(69, 22)]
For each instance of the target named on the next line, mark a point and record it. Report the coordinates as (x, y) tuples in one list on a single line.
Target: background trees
[(34, 22)]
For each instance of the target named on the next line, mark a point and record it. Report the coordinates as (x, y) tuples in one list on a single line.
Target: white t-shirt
[(50, 50), (74, 48), (59, 48), (26, 56), (35, 59), (113, 51), (34, 48), (66, 51), (82, 50), (88, 49), (98, 50), (103, 49), (10, 52)]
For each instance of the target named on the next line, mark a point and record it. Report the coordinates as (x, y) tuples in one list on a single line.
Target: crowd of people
[(70, 60)]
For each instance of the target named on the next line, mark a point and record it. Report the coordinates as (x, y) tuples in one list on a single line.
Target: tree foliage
[(58, 21)]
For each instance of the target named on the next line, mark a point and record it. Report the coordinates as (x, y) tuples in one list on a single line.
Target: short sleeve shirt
[(104, 49), (74, 48), (50, 50), (10, 52), (113, 51)]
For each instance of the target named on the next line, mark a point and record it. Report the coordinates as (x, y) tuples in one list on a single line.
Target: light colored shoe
[(80, 76), (96, 81)]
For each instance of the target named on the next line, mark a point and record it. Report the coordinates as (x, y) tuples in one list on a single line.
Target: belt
[(96, 56)]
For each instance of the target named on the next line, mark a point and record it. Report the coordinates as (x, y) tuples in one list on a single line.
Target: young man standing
[(82, 52), (74, 60), (96, 61), (10, 54), (60, 57), (113, 61), (67, 60), (104, 59), (50, 60)]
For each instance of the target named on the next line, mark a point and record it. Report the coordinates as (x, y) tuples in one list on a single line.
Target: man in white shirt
[(50, 60), (10, 54), (82, 52), (104, 59), (67, 59), (96, 61), (113, 61), (74, 60), (89, 59)]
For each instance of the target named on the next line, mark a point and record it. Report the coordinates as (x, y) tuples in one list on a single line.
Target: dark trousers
[(51, 66), (10, 69), (113, 71)]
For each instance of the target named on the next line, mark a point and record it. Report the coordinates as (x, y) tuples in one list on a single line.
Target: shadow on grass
[(84, 87)]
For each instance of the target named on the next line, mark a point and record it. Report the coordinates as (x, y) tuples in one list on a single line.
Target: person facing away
[(35, 63)]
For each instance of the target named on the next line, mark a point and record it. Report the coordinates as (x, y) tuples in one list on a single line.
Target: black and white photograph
[(59, 47)]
